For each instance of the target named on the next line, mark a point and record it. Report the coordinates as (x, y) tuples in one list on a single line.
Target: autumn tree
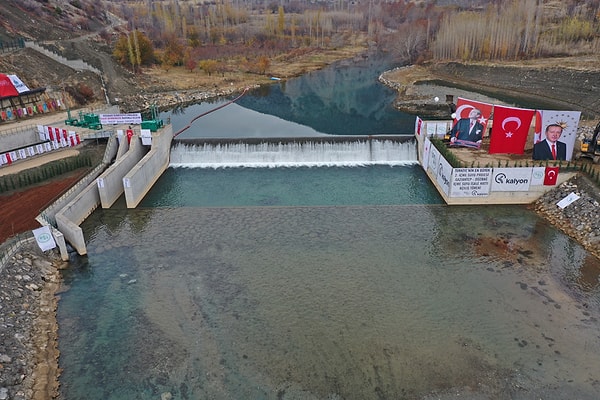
[(189, 60), (173, 52), (209, 66), (262, 64), (134, 49)]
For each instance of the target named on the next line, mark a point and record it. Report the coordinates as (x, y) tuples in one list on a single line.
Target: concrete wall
[(49, 214), (19, 137), (494, 197), (534, 193), (74, 213), (110, 183), (142, 177), (68, 211)]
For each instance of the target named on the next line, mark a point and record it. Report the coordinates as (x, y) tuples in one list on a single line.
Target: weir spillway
[(314, 151)]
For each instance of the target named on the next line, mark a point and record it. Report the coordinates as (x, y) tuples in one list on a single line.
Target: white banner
[(18, 84), (511, 179), (471, 182), (444, 174), (537, 176), (426, 150), (146, 135), (437, 129), (41, 132), (434, 155), (44, 239), (121, 119)]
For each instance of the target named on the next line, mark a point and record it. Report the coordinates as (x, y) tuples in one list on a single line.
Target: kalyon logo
[(445, 180), (503, 180)]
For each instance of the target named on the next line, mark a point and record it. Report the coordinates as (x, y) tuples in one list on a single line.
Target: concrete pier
[(110, 183), (146, 172)]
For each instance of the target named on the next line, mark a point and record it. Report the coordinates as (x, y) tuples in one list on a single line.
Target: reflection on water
[(335, 302)]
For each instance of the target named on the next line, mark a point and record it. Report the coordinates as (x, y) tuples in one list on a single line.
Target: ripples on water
[(360, 300)]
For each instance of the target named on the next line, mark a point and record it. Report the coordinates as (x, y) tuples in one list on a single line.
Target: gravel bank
[(581, 219), (28, 329)]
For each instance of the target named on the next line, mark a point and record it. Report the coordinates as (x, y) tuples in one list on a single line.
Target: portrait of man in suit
[(468, 129), (550, 148)]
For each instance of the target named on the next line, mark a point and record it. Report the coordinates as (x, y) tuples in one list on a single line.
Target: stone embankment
[(28, 329), (174, 99), (581, 219)]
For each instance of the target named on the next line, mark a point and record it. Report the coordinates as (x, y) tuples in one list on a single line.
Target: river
[(308, 282)]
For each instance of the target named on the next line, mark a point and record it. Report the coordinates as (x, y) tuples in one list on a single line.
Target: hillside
[(133, 92), (82, 33)]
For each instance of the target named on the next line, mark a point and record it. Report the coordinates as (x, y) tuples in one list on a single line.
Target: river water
[(351, 281)]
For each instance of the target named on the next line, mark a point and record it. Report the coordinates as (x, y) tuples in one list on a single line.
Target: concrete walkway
[(55, 118), (36, 161)]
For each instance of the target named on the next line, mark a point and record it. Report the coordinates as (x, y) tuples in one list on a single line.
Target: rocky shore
[(581, 219), (28, 328)]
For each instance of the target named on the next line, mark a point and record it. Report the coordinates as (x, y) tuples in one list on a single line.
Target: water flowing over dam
[(314, 151)]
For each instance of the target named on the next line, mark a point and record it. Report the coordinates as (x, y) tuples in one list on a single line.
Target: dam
[(132, 167)]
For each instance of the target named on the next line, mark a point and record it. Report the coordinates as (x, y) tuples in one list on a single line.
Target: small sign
[(567, 200), (44, 238)]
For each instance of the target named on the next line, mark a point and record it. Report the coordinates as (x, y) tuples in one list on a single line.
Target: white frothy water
[(273, 154)]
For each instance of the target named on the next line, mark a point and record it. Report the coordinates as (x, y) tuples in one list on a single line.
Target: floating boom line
[(209, 111)]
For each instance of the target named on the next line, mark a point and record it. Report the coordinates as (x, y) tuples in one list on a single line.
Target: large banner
[(121, 119), (510, 130), (511, 179), (464, 107), (568, 120), (471, 182)]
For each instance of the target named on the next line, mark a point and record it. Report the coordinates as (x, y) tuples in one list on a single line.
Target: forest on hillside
[(204, 33)]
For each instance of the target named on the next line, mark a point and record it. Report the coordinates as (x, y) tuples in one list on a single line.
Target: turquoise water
[(325, 283), (293, 186)]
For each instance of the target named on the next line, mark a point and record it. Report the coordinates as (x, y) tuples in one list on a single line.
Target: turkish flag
[(510, 129), (464, 107), (7, 89), (550, 176)]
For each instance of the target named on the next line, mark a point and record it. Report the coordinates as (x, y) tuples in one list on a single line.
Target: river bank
[(28, 328)]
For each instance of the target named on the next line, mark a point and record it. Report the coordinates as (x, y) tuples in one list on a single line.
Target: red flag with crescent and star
[(464, 107), (510, 129), (551, 176)]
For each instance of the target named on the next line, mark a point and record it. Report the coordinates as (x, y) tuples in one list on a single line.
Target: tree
[(209, 66), (189, 60), (172, 53), (262, 64), (134, 49)]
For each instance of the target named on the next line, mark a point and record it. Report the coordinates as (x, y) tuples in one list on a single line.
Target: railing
[(9, 45), (12, 246), (18, 129)]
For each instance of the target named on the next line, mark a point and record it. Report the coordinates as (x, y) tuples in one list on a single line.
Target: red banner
[(550, 176), (510, 130)]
